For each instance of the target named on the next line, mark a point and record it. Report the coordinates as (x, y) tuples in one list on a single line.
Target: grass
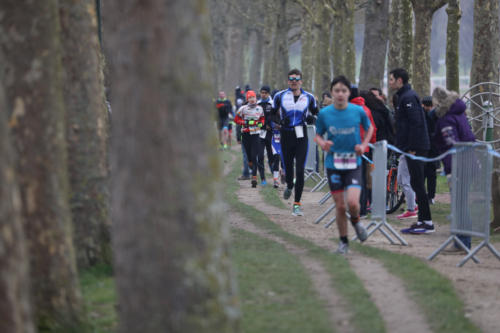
[(98, 290), (270, 196), (275, 290), (365, 314), (433, 292)]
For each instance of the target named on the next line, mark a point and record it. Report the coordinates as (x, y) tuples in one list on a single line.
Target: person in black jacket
[(430, 168), (380, 116), (412, 137)]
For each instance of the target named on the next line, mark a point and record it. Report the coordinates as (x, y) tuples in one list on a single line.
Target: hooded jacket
[(361, 102), (411, 126), (451, 127)]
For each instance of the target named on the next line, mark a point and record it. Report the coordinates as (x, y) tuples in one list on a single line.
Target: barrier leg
[(439, 249), (321, 183), (493, 250), (396, 234), (332, 221), (471, 254), (322, 216), (462, 245), (325, 198)]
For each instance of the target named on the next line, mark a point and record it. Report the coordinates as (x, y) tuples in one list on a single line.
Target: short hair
[(377, 89), (400, 73), (427, 101), (341, 79), (295, 71)]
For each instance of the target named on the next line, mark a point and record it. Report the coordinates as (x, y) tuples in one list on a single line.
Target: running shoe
[(343, 248), (287, 193), (263, 182), (254, 183), (423, 228), (360, 231), (407, 215), (276, 183), (415, 225), (297, 210)]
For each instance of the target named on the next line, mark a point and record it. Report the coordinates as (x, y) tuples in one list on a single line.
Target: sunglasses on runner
[(291, 78)]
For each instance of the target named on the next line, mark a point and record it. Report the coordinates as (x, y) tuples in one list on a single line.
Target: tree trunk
[(423, 10), (350, 50), (256, 67), (485, 69), (219, 24), (375, 45), (235, 64), (281, 41), (87, 132), (268, 52), (407, 35), (322, 77), (338, 44), (16, 313), (452, 41), (169, 236), (34, 93), (306, 55)]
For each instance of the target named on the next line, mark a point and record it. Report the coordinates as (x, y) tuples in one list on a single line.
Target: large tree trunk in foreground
[(34, 93), (485, 69), (170, 241), (87, 132), (15, 307), (375, 45)]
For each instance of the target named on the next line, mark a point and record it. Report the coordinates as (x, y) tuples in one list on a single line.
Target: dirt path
[(477, 285), (399, 312)]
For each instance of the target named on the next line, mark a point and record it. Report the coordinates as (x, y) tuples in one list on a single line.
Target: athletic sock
[(276, 174), (428, 222), (344, 239), (296, 203)]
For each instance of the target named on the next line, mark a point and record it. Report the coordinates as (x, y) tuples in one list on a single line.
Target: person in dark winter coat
[(430, 167), (451, 127), (412, 137), (380, 115)]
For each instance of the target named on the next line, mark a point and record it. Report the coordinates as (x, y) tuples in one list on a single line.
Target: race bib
[(276, 137), (345, 161), (263, 134), (299, 131)]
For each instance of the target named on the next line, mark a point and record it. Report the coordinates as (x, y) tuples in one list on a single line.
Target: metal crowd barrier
[(379, 189), (470, 198), (311, 163)]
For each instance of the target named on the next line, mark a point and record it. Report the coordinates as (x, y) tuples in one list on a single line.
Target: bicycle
[(395, 196)]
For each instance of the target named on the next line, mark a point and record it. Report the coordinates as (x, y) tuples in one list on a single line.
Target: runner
[(224, 109), (251, 118), (341, 121), (292, 108)]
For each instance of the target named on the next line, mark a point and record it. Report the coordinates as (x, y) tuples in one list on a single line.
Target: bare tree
[(484, 68), (452, 40), (34, 92), (375, 44), (423, 10), (170, 240), (16, 313), (86, 132)]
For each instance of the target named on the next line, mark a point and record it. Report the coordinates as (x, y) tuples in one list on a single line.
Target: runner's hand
[(359, 149), (327, 145)]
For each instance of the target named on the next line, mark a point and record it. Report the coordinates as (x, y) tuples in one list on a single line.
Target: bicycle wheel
[(395, 196)]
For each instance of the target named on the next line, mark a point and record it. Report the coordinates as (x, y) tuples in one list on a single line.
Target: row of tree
[(54, 124)]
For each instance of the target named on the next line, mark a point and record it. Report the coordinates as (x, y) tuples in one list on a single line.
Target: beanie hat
[(443, 99), (250, 93), (427, 101), (266, 89)]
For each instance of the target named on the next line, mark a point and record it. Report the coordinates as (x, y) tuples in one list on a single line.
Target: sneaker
[(263, 182), (287, 193), (360, 231), (343, 248), (243, 177), (276, 183), (254, 183), (297, 211), (423, 228), (413, 226), (225, 147), (406, 215)]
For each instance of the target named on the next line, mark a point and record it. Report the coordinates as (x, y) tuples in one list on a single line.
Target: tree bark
[(306, 55), (407, 20), (338, 45), (281, 41), (452, 41), (86, 132), (322, 77), (350, 50), (485, 69), (170, 239), (34, 93), (15, 307), (219, 24), (423, 10), (256, 66), (375, 45)]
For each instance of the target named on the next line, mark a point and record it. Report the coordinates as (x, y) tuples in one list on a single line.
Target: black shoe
[(254, 183), (287, 193)]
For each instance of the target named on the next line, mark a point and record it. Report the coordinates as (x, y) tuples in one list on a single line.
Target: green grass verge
[(365, 314), (98, 290), (276, 292), (270, 196), (433, 292)]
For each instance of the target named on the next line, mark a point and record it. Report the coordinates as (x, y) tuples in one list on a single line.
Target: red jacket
[(361, 102)]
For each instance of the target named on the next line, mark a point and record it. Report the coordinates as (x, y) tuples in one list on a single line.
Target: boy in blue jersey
[(341, 122)]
